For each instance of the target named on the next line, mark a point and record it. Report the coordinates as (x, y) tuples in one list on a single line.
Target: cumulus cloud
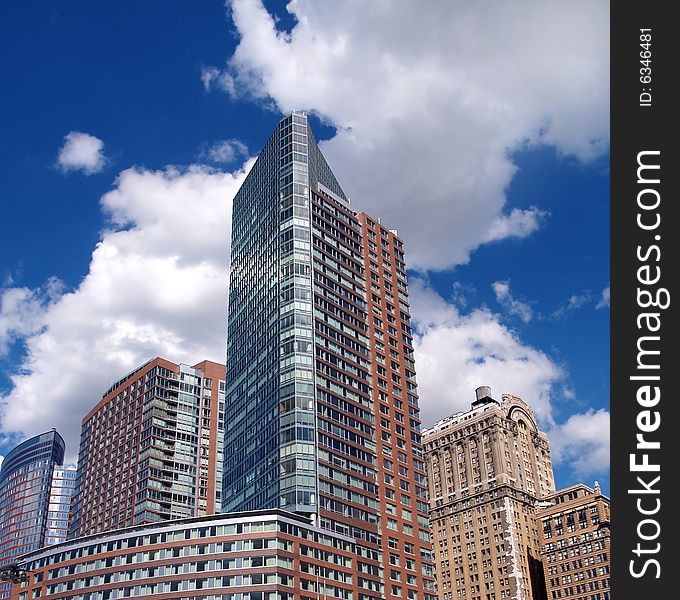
[(582, 441), (157, 285), (22, 310), (456, 353), (225, 151), (513, 306), (81, 152), (429, 105), (604, 300)]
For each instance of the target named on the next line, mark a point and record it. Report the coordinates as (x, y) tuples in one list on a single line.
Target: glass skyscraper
[(270, 457), (35, 494), (321, 407)]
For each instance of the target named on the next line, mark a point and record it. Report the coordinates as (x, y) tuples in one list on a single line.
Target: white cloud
[(513, 306), (225, 151), (575, 302), (582, 441), (157, 285), (214, 78), (604, 300), (22, 311), (462, 294), (518, 224), (578, 300), (456, 353), (430, 104), (81, 152)]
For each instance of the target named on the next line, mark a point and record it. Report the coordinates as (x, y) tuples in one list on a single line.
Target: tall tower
[(35, 493), (488, 468), (150, 448), (302, 399)]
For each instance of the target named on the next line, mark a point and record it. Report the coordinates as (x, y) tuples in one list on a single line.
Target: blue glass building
[(270, 443), (35, 493)]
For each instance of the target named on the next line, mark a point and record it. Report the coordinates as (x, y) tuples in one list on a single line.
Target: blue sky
[(488, 158)]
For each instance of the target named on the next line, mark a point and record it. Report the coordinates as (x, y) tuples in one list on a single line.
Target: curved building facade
[(35, 494), (259, 555)]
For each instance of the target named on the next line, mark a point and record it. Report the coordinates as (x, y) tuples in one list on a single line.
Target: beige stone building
[(487, 470), (575, 536)]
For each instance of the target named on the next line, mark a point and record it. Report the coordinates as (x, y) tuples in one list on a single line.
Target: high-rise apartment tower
[(150, 450), (321, 404), (488, 468)]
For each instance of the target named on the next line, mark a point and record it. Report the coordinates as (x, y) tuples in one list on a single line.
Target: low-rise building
[(575, 539), (258, 555)]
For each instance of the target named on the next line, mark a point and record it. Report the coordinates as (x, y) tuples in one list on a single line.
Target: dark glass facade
[(270, 443)]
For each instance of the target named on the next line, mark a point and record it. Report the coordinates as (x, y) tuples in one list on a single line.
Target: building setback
[(487, 470), (575, 537), (307, 399), (35, 495), (260, 555), (149, 449)]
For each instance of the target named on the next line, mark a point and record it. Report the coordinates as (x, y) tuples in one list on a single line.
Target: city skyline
[(521, 315)]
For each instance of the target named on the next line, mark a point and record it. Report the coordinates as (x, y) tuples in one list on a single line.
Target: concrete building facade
[(150, 450), (574, 524), (487, 470)]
